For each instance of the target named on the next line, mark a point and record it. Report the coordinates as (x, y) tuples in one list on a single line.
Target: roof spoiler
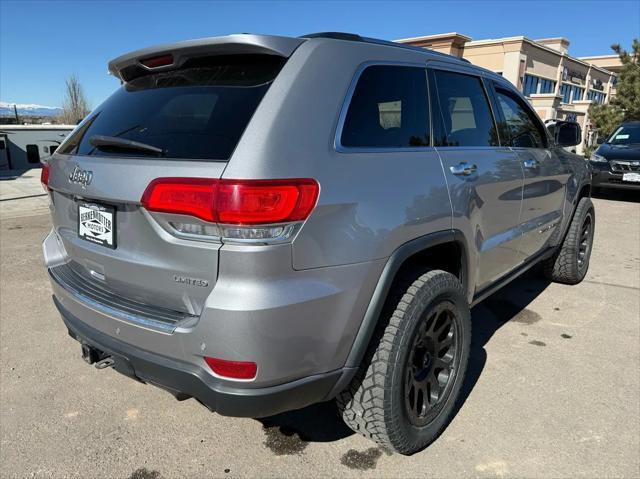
[(173, 55)]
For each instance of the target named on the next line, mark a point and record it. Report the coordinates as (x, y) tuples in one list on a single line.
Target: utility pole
[(15, 112)]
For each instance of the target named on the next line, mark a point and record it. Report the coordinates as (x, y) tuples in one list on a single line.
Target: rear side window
[(465, 113), (197, 112), (388, 109), (520, 128)]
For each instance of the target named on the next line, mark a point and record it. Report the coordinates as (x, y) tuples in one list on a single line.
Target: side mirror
[(568, 133), (600, 140)]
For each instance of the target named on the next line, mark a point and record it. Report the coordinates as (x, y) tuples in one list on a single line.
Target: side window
[(33, 155), (520, 128), (388, 109), (466, 117)]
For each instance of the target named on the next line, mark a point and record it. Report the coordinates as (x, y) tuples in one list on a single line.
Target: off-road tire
[(564, 266), (374, 404)]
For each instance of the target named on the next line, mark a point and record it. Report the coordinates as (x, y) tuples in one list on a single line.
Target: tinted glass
[(389, 108), (520, 127), (626, 135), (466, 116), (197, 112)]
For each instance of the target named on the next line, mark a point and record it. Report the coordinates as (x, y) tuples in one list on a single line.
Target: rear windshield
[(197, 112)]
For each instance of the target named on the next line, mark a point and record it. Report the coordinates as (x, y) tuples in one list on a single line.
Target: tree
[(625, 105), (75, 106)]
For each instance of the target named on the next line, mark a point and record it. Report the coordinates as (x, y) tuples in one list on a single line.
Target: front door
[(545, 177), (485, 180)]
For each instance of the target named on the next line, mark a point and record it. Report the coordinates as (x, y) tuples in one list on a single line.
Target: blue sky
[(42, 43)]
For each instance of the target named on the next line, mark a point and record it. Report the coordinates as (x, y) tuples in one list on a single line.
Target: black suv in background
[(616, 162)]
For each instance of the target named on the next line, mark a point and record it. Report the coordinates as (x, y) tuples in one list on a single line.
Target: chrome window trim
[(337, 143)]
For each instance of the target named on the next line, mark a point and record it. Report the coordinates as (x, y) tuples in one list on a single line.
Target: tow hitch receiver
[(94, 356)]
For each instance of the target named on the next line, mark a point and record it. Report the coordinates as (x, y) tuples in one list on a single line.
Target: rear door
[(183, 122), (484, 178), (545, 176)]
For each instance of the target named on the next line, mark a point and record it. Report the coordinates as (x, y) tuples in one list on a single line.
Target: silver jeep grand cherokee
[(262, 223)]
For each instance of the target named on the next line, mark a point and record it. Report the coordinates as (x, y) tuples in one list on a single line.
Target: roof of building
[(536, 43), (437, 36)]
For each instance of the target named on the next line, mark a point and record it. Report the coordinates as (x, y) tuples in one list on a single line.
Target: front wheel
[(570, 263), (405, 394)]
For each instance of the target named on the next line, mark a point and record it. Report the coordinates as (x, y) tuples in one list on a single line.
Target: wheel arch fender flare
[(389, 272)]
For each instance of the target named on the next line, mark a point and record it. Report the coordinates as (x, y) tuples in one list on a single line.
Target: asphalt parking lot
[(553, 388)]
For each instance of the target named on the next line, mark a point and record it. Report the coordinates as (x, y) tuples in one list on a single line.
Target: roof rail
[(352, 37)]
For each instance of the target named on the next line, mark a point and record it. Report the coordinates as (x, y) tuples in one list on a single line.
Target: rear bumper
[(608, 179), (185, 380)]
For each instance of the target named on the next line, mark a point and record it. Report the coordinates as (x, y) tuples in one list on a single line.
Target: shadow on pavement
[(506, 305), (631, 196), (316, 423), (289, 432), (15, 174)]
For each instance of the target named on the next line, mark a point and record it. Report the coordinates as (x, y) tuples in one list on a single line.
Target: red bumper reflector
[(232, 369)]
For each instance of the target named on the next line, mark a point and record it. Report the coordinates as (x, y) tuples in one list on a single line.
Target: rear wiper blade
[(107, 142)]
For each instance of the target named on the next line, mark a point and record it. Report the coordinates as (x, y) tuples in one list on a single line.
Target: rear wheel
[(570, 263), (405, 393)]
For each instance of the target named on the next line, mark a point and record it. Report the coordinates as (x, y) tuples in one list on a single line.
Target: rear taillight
[(258, 202), (44, 177), (185, 196), (244, 370), (240, 208)]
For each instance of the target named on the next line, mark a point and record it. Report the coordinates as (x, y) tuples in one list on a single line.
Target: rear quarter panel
[(370, 202)]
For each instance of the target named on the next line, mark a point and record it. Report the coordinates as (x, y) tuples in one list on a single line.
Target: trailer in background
[(26, 146)]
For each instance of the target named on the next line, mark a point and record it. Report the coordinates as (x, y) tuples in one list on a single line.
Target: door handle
[(530, 164), (463, 169)]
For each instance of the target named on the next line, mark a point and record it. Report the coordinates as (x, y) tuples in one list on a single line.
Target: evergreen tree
[(625, 105)]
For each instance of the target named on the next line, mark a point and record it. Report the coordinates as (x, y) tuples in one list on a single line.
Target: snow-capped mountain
[(28, 109)]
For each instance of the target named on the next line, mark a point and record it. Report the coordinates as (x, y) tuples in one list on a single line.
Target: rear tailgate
[(148, 264), (182, 117)]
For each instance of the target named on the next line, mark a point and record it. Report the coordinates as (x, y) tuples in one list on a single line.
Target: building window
[(33, 154), (530, 85), (571, 93), (534, 85), (596, 96), (547, 86)]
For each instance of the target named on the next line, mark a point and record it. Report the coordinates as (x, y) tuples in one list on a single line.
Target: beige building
[(557, 85)]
